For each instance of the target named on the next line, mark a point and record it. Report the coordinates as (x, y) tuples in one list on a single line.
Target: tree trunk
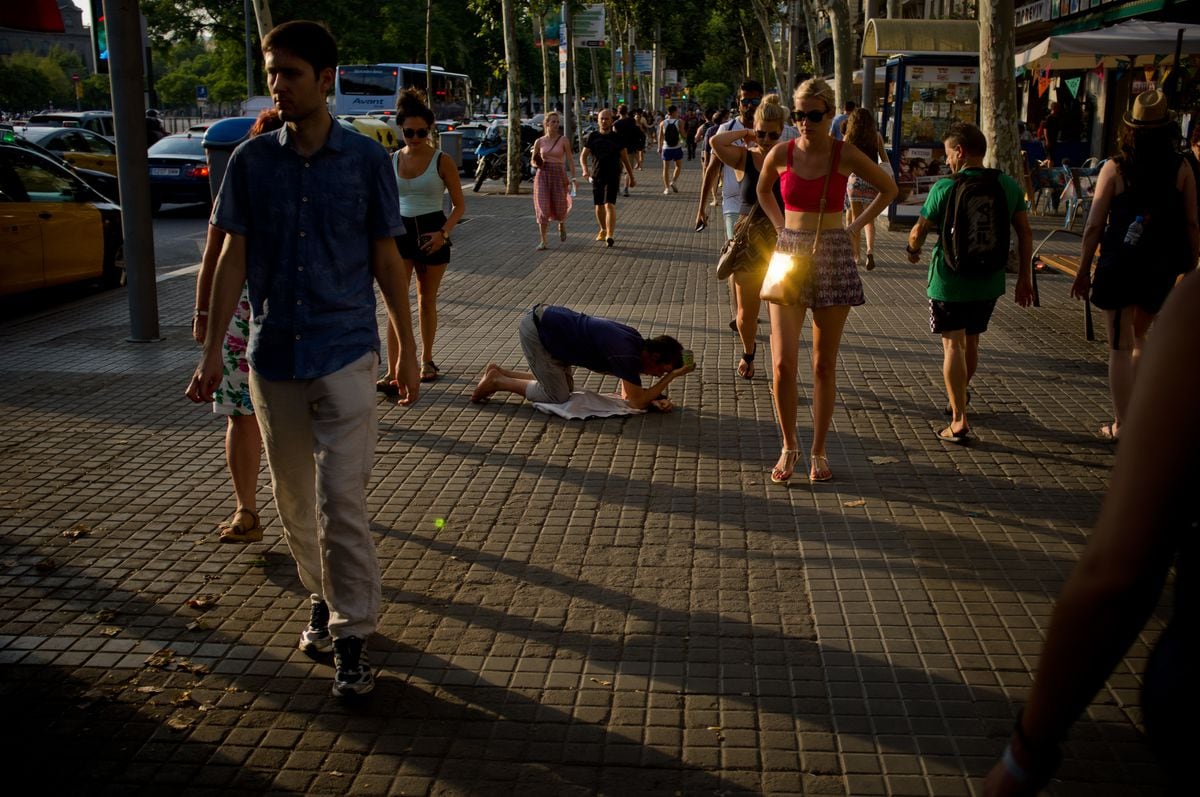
[(843, 57), (810, 25), (429, 95), (545, 64), (760, 13), (998, 87), (514, 98)]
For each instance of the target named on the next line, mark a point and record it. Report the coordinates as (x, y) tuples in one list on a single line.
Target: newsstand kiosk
[(932, 80)]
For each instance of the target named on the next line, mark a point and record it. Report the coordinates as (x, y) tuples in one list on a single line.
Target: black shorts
[(410, 243), (605, 189), (953, 316)]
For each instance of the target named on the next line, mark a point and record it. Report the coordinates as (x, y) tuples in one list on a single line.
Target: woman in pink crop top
[(833, 286)]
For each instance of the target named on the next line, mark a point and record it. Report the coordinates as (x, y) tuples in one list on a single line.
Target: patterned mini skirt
[(834, 280), (859, 190)]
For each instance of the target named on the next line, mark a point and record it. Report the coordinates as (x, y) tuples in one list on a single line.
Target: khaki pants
[(320, 437)]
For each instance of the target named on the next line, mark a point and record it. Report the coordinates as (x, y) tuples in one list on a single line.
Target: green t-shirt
[(949, 286)]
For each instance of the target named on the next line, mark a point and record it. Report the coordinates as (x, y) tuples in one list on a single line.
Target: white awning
[(1137, 41)]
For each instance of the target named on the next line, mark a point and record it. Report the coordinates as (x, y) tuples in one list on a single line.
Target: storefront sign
[(943, 74)]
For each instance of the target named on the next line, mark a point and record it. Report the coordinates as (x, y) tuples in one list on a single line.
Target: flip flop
[(387, 387), (1108, 432), (429, 372), (948, 435), (240, 532)]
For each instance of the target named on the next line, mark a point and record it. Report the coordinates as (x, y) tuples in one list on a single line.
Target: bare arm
[(766, 182), (569, 158), (1024, 290), (226, 290), (1188, 187), (1119, 578), (711, 169), (449, 175), (724, 144), (1106, 189), (916, 238), (388, 269), (640, 397), (204, 281), (584, 154)]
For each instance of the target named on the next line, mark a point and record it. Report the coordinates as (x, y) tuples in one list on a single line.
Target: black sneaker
[(353, 676), (316, 638)]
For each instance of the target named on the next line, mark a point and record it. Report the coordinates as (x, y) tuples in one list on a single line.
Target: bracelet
[(912, 251), (200, 314)]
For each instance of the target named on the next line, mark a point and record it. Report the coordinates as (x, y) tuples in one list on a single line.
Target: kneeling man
[(557, 339)]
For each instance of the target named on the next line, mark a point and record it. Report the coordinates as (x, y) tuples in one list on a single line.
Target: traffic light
[(633, 87), (99, 37)]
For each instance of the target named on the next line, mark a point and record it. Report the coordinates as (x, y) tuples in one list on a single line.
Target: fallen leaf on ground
[(179, 723), (110, 630), (601, 682), (859, 502), (185, 699), (203, 601), (150, 690), (883, 460), (161, 659), (104, 615), (78, 530), (194, 625)]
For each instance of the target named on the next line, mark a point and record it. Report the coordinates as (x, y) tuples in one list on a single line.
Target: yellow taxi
[(374, 127), (54, 228), (81, 148)]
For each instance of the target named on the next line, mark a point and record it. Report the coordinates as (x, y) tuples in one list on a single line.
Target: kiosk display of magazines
[(925, 96), (931, 81)]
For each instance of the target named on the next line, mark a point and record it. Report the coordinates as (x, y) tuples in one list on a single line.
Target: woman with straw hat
[(1143, 218)]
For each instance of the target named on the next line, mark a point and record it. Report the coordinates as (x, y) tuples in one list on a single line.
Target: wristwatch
[(445, 236), (911, 251)]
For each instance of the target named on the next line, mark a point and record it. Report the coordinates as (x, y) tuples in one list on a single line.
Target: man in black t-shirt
[(631, 134), (608, 149)]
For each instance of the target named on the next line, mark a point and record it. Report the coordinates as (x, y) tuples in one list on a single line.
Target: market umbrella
[(1136, 42)]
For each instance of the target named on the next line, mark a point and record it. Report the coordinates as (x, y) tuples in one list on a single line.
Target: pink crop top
[(805, 195)]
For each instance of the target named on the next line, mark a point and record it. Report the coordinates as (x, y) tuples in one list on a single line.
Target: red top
[(805, 195)]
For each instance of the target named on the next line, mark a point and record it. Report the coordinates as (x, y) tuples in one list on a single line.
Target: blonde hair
[(546, 118), (818, 89), (771, 110)]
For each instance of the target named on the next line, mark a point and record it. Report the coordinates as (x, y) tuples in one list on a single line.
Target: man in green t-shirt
[(960, 305)]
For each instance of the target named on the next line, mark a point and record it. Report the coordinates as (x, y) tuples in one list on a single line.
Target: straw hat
[(1149, 110)]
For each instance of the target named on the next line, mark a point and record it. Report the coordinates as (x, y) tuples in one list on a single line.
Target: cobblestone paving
[(619, 607)]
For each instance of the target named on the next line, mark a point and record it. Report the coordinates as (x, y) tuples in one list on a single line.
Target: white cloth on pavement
[(586, 404)]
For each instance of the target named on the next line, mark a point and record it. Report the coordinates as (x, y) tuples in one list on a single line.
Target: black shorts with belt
[(410, 242)]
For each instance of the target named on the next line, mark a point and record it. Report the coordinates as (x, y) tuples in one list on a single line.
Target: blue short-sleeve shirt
[(596, 344), (309, 224)]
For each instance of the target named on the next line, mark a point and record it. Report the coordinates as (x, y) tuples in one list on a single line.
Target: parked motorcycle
[(492, 154)]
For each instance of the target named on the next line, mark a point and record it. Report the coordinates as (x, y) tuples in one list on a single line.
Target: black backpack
[(671, 133), (975, 227)]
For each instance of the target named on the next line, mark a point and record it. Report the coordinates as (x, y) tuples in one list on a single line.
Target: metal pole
[(869, 64), (564, 36), (133, 170)]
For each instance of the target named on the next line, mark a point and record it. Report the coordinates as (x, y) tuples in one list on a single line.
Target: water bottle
[(1134, 233), (574, 187)]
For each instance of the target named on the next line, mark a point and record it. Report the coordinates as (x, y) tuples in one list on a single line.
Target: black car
[(179, 171)]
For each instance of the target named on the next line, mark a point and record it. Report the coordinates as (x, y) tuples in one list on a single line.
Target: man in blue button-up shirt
[(311, 214)]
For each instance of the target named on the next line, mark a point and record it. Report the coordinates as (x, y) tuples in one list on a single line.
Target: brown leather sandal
[(238, 531)]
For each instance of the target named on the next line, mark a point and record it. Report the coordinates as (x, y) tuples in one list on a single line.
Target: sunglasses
[(764, 134), (811, 116), (752, 101), (422, 133)]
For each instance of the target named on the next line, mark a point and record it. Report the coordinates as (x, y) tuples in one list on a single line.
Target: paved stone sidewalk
[(620, 607)]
